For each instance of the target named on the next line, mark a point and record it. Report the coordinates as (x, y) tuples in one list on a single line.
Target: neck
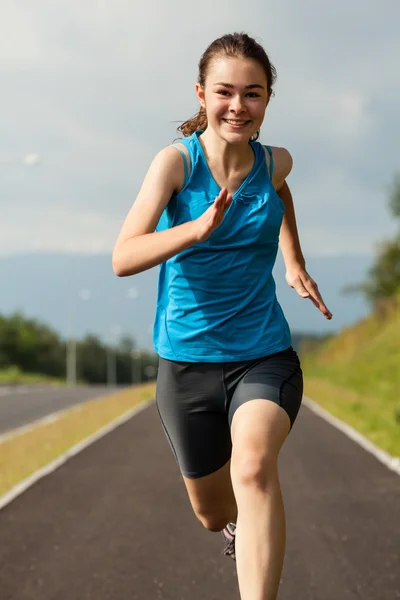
[(231, 157)]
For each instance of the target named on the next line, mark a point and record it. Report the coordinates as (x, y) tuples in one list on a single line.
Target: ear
[(200, 95)]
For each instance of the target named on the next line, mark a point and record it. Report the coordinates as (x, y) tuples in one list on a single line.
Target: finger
[(223, 202), (308, 288), (300, 289), (220, 199), (323, 309), (222, 195), (228, 201), (298, 285), (317, 300), (218, 209)]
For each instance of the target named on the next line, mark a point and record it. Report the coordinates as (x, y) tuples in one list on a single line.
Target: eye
[(253, 95), (223, 92)]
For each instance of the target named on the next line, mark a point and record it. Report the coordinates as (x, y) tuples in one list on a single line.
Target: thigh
[(191, 404), (259, 429), (277, 378)]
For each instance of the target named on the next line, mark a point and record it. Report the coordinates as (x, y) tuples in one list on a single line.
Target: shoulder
[(169, 163), (169, 157), (283, 163)]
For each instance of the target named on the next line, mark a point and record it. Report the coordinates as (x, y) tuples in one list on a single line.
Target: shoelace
[(230, 543), (230, 548)]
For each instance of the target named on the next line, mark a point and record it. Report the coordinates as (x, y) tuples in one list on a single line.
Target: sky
[(96, 89)]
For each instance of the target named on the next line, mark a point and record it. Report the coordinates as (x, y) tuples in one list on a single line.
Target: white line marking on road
[(8, 435), (63, 458), (54, 416), (391, 462), (23, 389)]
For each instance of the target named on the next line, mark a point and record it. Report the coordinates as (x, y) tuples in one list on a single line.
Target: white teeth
[(231, 122)]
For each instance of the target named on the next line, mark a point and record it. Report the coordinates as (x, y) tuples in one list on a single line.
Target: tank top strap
[(271, 161), (185, 159)]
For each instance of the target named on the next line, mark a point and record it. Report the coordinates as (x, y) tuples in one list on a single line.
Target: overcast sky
[(96, 88)]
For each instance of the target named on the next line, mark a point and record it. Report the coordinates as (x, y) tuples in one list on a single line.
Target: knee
[(253, 470), (212, 521)]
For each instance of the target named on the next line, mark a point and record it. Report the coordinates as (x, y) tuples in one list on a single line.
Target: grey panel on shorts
[(196, 403)]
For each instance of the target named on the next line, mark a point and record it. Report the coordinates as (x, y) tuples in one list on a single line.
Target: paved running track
[(22, 404), (114, 523)]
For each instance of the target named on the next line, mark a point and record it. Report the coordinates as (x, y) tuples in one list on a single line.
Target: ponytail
[(197, 122)]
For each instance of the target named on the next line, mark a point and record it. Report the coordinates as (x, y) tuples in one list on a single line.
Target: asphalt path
[(24, 404), (114, 522)]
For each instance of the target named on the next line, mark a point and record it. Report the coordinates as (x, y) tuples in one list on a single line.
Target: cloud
[(95, 89), (339, 215), (58, 229)]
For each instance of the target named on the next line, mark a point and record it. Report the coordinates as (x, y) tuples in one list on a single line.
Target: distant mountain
[(81, 293)]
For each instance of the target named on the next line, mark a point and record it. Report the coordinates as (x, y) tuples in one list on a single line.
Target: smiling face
[(235, 97)]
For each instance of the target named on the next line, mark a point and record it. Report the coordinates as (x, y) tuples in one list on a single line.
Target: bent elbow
[(122, 269), (117, 266), (119, 272)]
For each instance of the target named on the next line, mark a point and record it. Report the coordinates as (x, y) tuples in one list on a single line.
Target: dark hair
[(232, 45)]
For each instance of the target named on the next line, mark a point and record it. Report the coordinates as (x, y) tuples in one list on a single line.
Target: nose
[(237, 105)]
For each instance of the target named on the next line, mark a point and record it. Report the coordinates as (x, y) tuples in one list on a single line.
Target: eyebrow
[(248, 87)]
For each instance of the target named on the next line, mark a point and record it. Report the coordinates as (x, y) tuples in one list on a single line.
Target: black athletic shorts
[(196, 403)]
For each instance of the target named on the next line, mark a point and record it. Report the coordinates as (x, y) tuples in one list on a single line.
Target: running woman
[(212, 211)]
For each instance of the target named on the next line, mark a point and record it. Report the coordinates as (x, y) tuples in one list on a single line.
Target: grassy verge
[(23, 454), (356, 376), (372, 417), (13, 375)]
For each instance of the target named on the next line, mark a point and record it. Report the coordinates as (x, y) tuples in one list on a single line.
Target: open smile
[(236, 122)]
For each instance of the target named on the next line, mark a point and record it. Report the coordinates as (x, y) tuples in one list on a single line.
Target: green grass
[(24, 453), (14, 375), (366, 414), (356, 376)]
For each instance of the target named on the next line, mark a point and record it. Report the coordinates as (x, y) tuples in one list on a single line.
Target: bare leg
[(259, 429), (212, 498)]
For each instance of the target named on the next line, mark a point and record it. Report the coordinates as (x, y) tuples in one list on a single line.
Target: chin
[(237, 136)]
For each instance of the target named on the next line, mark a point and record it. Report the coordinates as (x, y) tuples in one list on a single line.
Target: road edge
[(391, 462), (26, 483)]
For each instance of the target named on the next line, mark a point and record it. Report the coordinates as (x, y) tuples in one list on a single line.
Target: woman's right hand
[(213, 216)]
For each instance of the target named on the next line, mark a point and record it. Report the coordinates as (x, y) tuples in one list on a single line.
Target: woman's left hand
[(306, 287)]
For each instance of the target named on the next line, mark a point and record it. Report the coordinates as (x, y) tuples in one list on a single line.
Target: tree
[(33, 347), (91, 360), (30, 345), (384, 275), (126, 345)]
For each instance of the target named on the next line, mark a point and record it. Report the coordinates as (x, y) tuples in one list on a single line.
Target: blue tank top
[(216, 300)]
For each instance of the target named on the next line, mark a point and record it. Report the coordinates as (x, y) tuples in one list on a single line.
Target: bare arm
[(296, 274), (139, 247), (289, 241)]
